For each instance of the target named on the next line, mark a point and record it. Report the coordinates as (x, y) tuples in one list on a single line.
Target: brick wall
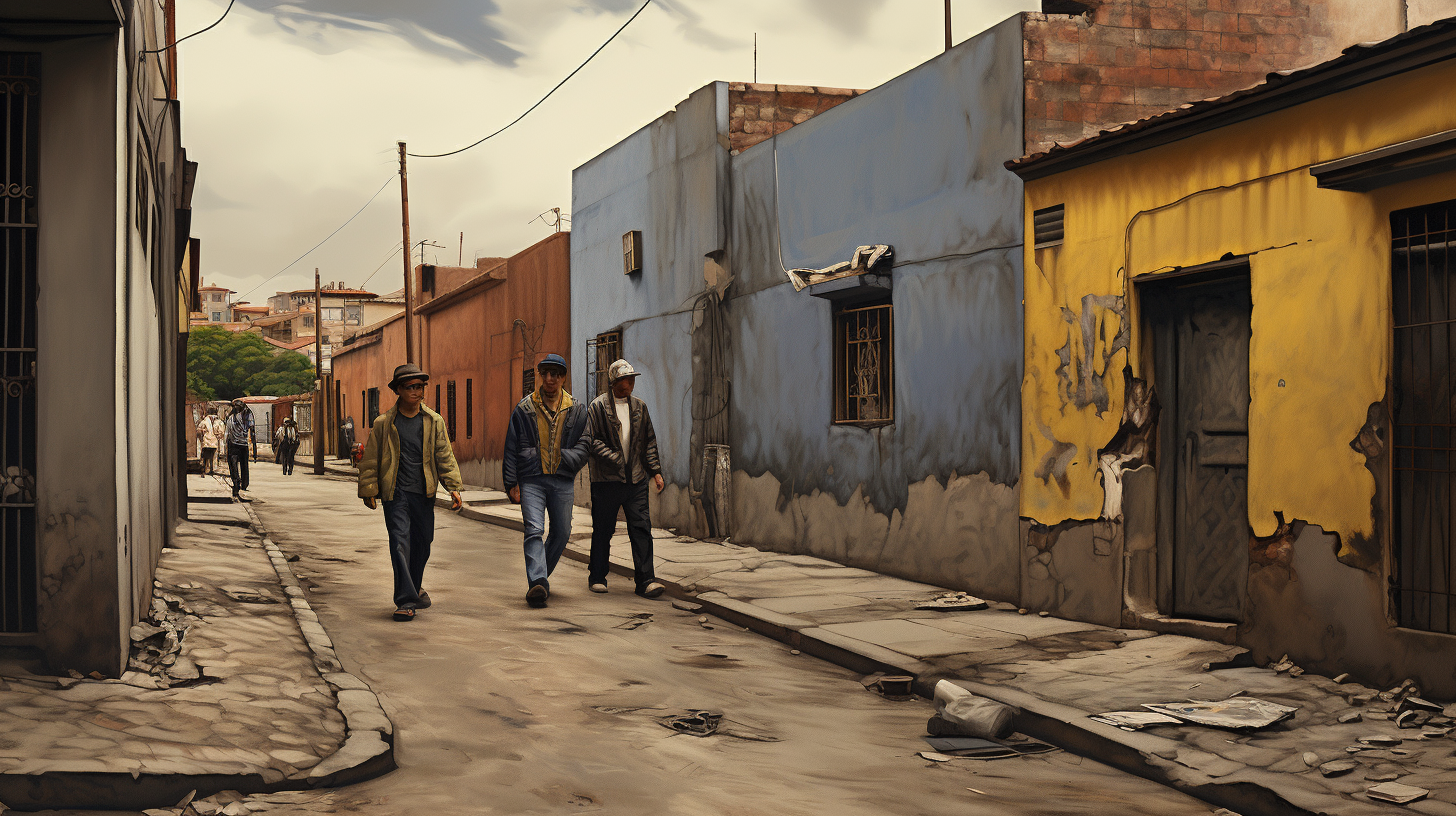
[(758, 111), (1125, 60)]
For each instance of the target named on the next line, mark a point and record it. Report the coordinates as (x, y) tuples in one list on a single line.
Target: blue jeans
[(410, 520), (542, 497)]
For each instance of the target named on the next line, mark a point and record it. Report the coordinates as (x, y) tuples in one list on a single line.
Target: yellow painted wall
[(1320, 274)]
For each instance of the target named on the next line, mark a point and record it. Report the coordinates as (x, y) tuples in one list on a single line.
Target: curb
[(1245, 790), (366, 752), (368, 748)]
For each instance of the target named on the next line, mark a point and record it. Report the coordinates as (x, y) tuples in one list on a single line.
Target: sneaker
[(598, 587), (653, 590), (424, 600), (536, 596)]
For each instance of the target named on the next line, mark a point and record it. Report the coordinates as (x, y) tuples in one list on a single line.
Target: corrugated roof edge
[(1357, 65)]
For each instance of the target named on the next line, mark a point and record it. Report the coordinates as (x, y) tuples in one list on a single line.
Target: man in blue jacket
[(546, 445)]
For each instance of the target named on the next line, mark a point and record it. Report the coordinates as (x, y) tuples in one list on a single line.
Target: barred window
[(469, 412), (864, 377), (450, 409), (528, 381), (601, 352)]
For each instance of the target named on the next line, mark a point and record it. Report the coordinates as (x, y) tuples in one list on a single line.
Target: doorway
[(1201, 325)]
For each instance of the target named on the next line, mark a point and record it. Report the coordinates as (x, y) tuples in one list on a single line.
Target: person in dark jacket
[(545, 448), (623, 450)]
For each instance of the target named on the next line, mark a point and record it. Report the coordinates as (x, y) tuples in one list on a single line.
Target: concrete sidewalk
[(1058, 673), (233, 686)]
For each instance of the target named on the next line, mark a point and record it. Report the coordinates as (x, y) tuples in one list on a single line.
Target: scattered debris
[(1310, 758), (1295, 671), (980, 748), (969, 715), (1414, 703), (953, 601), (1397, 793), (1236, 713), (1435, 732), (1242, 660), (1350, 717), (1281, 665), (794, 652), (686, 606), (1023, 611), (1043, 614), (1380, 741), (934, 757), (639, 619), (973, 790), (1340, 678), (1134, 720), (699, 723), (1338, 767), (1382, 776)]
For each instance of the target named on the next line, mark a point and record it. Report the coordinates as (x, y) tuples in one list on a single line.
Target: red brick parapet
[(758, 111)]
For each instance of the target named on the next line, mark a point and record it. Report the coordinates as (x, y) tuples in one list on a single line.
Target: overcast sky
[(293, 109)]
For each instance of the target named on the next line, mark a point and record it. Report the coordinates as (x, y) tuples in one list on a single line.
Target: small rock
[(1338, 767), (1340, 678), (703, 619), (1310, 758), (1043, 614), (75, 673), (1295, 671), (686, 606), (96, 675), (1380, 740), (1406, 719), (1414, 703), (1382, 776), (1350, 717), (794, 651), (1023, 611)]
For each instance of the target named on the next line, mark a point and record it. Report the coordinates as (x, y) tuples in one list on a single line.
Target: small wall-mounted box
[(632, 252)]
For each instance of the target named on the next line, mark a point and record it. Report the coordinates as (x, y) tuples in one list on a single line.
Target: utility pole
[(947, 25), (318, 373), (461, 261), (409, 308), (755, 57)]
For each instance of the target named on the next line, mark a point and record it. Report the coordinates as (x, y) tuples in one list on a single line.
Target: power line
[(381, 266), (392, 177), (174, 43), (544, 98)]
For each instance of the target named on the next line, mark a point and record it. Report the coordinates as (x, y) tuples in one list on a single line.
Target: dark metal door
[(1211, 527), (19, 93)]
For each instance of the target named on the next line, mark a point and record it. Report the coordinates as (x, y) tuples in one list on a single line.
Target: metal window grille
[(1046, 226), (19, 89), (1423, 306), (373, 406), (864, 382), (601, 352), (528, 381), (450, 405), (303, 415), (439, 406), (469, 411)]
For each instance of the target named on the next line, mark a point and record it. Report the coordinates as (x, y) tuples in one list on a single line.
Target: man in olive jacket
[(408, 454), (624, 457)]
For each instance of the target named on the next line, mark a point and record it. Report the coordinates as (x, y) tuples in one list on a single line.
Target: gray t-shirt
[(411, 475)]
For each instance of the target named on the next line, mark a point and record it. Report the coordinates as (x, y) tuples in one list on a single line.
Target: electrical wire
[(392, 177), (381, 265), (544, 98), (174, 43)]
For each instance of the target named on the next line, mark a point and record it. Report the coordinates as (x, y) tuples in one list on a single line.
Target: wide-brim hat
[(408, 371), (619, 370), (553, 360)]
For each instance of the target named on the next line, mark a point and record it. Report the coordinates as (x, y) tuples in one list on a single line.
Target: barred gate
[(19, 90)]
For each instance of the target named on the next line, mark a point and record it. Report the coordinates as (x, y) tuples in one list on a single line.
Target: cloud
[(849, 16), (457, 30)]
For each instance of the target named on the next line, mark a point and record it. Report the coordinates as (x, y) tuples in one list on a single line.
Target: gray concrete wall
[(82, 537), (667, 181), (915, 163)]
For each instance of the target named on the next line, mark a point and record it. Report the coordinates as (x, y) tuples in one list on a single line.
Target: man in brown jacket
[(623, 451), (407, 455)]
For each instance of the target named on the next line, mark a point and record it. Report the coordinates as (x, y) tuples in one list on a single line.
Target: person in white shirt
[(624, 458), (209, 438)]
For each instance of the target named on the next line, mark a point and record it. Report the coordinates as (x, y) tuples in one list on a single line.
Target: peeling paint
[(1132, 445)]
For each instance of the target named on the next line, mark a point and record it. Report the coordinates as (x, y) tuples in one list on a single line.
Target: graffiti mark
[(1087, 331)]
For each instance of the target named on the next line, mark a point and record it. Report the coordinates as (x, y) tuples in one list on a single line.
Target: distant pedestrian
[(239, 434), (545, 449), (210, 435), (407, 455), (285, 442), (624, 458)]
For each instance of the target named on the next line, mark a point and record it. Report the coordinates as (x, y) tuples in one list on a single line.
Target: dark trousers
[(607, 498), (238, 466), (285, 453), (410, 520)]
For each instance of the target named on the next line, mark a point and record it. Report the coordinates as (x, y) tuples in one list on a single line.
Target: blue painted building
[(872, 417)]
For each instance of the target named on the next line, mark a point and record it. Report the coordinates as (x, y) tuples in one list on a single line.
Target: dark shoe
[(536, 596), (424, 600), (654, 589), (404, 613)]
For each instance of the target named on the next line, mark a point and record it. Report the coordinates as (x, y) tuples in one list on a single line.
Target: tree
[(242, 364)]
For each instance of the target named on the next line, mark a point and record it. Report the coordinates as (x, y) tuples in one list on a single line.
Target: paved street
[(500, 708)]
